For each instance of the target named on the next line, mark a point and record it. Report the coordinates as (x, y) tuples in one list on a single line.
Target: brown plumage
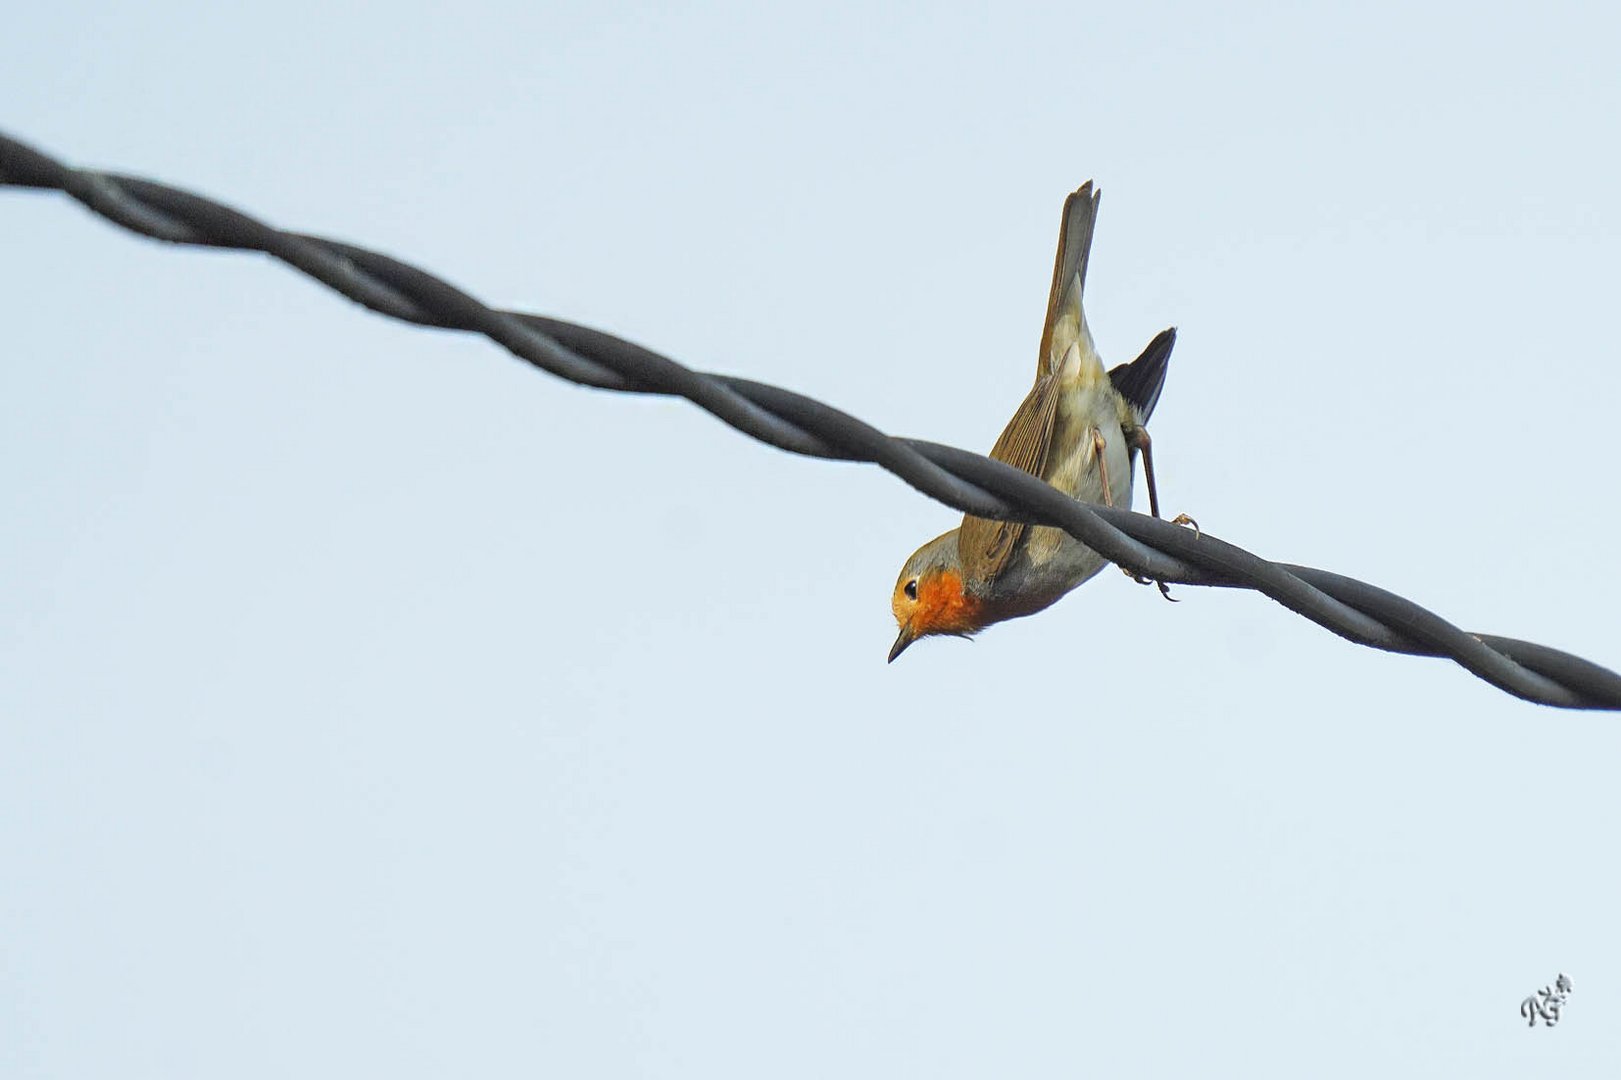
[(1079, 428)]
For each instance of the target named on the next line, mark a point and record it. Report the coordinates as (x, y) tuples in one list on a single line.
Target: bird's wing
[(985, 545), (1140, 381), (1066, 321)]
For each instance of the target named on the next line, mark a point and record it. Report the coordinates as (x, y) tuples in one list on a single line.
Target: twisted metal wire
[(969, 482)]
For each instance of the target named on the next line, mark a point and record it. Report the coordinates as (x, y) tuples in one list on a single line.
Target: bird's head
[(930, 597)]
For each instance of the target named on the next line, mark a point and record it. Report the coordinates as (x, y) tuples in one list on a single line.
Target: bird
[(1079, 428)]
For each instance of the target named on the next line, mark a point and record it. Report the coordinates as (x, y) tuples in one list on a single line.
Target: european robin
[(1080, 429)]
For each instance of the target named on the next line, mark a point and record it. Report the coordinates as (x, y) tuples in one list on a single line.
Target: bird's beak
[(903, 639)]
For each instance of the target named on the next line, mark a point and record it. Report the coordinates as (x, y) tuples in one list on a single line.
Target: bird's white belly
[(1076, 472), (1057, 562)]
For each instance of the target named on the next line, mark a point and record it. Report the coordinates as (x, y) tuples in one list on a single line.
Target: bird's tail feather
[(1066, 320)]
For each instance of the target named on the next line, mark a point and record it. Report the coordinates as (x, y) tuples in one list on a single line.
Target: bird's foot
[(1164, 589)]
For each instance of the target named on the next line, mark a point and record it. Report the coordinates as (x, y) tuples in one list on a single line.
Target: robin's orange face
[(933, 602)]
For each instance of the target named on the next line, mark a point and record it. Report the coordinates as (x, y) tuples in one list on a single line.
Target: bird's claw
[(1164, 589)]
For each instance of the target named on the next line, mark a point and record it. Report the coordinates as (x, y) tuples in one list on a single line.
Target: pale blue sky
[(371, 704)]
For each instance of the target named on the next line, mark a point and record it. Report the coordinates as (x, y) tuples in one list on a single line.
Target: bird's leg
[(1137, 439), (1099, 446)]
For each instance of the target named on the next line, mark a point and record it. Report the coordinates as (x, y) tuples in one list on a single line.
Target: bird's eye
[(911, 589)]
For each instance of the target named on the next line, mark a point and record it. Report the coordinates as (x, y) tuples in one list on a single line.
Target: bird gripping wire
[(965, 481)]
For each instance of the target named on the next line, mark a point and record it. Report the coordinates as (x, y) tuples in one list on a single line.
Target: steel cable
[(969, 482)]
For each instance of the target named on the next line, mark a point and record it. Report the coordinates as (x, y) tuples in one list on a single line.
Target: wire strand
[(965, 481)]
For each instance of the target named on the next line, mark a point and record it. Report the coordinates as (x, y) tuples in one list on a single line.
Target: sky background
[(372, 704)]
